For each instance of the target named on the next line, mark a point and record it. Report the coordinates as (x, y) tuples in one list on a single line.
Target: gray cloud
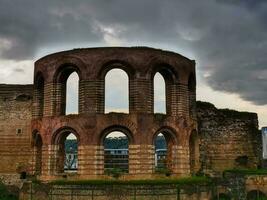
[(227, 38)]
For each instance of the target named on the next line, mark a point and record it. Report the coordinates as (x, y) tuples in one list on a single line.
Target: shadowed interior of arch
[(161, 149), (116, 91), (116, 152)]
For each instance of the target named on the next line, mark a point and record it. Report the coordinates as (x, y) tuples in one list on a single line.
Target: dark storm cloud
[(227, 38)]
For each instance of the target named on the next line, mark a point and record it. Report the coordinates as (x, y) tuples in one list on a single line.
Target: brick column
[(93, 96), (141, 159), (90, 160), (180, 157), (48, 155), (38, 103), (49, 99), (192, 103), (171, 99), (141, 96), (183, 104)]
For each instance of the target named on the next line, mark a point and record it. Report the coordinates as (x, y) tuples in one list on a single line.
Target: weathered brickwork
[(15, 127), (198, 137), (228, 139)]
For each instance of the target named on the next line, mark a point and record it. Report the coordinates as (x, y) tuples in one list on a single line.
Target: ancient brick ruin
[(34, 124)]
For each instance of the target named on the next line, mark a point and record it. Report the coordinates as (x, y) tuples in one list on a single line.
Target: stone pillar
[(48, 157), (38, 103), (49, 99), (171, 99), (180, 157), (192, 103), (90, 160), (141, 96), (141, 159), (183, 104), (94, 94)]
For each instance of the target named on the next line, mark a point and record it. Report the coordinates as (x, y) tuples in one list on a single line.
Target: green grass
[(170, 181), (247, 171)]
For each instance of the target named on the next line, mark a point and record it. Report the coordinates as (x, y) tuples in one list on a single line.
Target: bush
[(164, 170), (5, 194), (114, 172)]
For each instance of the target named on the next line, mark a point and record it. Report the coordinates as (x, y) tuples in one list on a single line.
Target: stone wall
[(228, 139), (15, 127)]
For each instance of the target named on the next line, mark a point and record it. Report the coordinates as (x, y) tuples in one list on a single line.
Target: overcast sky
[(227, 38)]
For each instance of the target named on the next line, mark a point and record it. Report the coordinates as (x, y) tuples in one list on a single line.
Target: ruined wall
[(228, 139), (15, 126)]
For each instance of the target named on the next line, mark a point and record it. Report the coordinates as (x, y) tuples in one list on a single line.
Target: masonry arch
[(167, 158), (61, 78), (59, 140), (116, 91), (128, 74), (38, 144), (193, 152), (116, 140), (170, 78), (39, 94)]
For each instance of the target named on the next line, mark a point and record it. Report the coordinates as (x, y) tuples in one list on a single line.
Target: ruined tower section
[(228, 139), (15, 129), (50, 124)]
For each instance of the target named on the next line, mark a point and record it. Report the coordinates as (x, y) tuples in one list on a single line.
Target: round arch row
[(97, 89), (58, 139)]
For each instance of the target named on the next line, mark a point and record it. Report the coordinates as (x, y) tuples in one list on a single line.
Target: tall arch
[(61, 78), (39, 95), (115, 141), (61, 153), (159, 94), (170, 79), (72, 94), (116, 91), (170, 140)]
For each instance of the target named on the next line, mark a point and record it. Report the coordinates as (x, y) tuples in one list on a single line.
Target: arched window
[(159, 94), (116, 152), (116, 91), (72, 94), (67, 152), (163, 143), (67, 82), (71, 153), (160, 151)]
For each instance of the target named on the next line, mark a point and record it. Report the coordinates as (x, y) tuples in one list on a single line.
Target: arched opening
[(67, 82), (164, 141), (116, 91), (67, 152), (192, 94), (72, 94), (39, 95), (160, 151), (38, 144), (164, 89), (159, 94), (193, 151), (256, 195), (116, 152)]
